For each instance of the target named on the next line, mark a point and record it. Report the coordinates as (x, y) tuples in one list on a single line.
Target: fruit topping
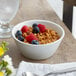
[(31, 37), (24, 29), (18, 33), (35, 42), (36, 29), (34, 25), (42, 28), (20, 38)]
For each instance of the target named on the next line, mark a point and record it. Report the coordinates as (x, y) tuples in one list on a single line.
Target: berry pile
[(37, 34)]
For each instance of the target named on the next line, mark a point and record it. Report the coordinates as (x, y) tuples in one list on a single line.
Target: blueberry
[(35, 42), (36, 30), (34, 25), (20, 38), (18, 33)]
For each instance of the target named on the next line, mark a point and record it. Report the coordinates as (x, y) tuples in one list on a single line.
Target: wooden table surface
[(40, 9)]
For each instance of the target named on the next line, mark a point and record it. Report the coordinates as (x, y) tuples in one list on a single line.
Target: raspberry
[(31, 37), (42, 28), (24, 29)]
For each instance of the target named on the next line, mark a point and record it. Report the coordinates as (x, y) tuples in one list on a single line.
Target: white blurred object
[(74, 22), (42, 69), (8, 10), (57, 5)]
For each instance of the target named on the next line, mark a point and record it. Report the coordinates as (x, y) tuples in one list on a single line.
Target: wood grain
[(40, 9), (71, 2)]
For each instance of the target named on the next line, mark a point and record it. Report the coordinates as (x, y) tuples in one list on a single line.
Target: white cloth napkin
[(42, 69)]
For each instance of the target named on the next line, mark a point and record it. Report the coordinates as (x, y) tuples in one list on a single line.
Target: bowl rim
[(62, 36)]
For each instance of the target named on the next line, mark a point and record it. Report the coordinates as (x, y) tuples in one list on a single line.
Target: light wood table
[(40, 9)]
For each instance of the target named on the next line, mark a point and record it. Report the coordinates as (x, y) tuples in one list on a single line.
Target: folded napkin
[(42, 69)]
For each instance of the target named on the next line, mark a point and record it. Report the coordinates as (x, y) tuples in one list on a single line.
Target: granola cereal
[(44, 38), (37, 34)]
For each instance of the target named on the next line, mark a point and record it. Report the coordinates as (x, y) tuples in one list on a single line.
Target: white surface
[(39, 51), (74, 23), (42, 69), (57, 5)]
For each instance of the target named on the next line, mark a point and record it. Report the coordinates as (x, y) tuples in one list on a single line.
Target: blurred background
[(66, 10)]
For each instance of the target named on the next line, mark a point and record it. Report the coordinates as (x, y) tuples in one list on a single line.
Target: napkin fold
[(42, 69)]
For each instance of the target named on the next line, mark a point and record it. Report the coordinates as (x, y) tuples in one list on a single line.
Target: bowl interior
[(48, 24)]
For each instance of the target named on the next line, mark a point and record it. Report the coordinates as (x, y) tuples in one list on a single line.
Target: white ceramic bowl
[(39, 51)]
